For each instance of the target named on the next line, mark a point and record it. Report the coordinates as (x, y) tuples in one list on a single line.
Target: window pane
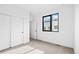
[(47, 23), (55, 20)]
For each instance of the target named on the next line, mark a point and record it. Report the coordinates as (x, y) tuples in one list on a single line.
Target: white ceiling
[(40, 8)]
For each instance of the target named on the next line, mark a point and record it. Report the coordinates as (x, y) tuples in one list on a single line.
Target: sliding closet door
[(4, 32), (16, 31)]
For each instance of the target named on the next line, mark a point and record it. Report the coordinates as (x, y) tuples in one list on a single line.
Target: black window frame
[(50, 22), (43, 23)]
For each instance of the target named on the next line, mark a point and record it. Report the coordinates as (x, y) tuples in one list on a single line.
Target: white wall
[(13, 10), (76, 29), (65, 36)]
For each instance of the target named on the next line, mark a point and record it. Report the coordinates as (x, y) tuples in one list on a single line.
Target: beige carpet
[(39, 47), (36, 51), (23, 50), (49, 48)]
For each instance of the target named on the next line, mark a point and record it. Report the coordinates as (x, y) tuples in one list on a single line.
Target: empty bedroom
[(39, 29)]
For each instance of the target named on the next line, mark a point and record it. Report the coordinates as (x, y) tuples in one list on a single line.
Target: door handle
[(22, 32)]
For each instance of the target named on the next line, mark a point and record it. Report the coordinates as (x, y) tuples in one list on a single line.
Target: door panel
[(16, 31), (4, 32)]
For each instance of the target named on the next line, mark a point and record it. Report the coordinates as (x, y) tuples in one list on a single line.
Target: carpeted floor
[(38, 47), (50, 48)]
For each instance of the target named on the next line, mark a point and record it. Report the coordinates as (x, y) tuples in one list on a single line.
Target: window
[(51, 22)]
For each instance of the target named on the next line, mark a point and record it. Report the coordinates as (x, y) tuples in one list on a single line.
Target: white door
[(16, 31), (33, 30), (4, 32)]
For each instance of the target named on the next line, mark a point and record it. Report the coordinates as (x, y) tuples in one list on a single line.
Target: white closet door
[(16, 31), (4, 32)]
